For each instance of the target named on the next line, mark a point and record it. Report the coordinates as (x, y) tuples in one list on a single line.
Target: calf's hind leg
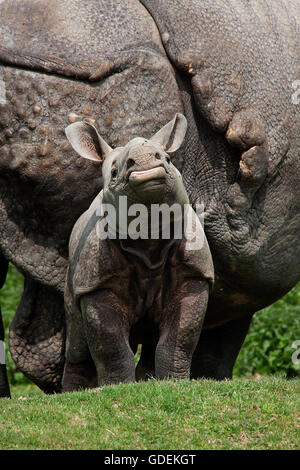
[(106, 323)]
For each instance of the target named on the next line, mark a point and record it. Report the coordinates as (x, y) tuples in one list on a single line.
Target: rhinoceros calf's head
[(142, 170)]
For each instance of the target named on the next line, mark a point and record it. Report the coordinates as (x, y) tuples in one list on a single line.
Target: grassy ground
[(239, 414)]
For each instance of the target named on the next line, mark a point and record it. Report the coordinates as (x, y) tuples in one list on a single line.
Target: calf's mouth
[(155, 175)]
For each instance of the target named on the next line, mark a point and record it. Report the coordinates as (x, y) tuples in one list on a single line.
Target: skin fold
[(128, 67)]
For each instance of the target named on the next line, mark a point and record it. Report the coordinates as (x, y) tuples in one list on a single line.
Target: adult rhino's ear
[(86, 141), (171, 136)]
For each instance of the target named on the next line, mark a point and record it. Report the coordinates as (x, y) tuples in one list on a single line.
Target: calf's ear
[(171, 136), (86, 141)]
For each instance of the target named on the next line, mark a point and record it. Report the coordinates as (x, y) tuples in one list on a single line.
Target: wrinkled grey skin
[(129, 66), (121, 291)]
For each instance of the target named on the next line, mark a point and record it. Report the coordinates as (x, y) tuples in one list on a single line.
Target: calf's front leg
[(180, 330), (106, 323)]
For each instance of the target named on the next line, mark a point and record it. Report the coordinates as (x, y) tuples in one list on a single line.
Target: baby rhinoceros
[(129, 287)]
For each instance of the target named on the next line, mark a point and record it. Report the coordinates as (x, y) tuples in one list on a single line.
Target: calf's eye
[(114, 172)]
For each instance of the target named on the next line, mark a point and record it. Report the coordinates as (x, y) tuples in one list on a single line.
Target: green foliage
[(9, 300), (268, 345), (267, 348), (203, 414)]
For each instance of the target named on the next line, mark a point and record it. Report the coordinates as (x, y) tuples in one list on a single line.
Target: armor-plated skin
[(128, 66)]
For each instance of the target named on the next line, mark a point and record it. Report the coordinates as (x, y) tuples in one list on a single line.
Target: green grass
[(238, 414)]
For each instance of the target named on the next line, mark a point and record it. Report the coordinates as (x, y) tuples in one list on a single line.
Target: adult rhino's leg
[(4, 386), (37, 334), (3, 269), (218, 348)]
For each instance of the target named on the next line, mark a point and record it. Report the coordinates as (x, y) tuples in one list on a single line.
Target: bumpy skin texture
[(229, 66)]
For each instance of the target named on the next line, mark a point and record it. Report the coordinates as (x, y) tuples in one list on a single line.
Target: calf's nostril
[(157, 156), (130, 163)]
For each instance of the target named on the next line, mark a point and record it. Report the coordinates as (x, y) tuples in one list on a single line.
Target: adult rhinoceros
[(127, 66)]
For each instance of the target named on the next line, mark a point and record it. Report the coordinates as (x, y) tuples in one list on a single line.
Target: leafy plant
[(9, 300), (268, 345)]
